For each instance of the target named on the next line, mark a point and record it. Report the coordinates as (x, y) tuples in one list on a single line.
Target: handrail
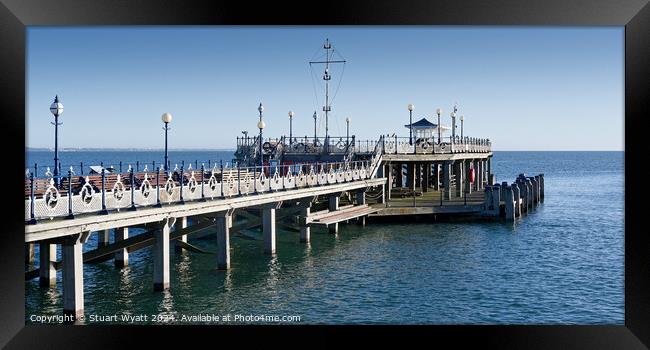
[(92, 194)]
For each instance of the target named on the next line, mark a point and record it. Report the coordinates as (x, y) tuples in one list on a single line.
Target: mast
[(327, 77)]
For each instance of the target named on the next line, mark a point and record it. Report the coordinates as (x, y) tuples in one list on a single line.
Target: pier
[(296, 182)]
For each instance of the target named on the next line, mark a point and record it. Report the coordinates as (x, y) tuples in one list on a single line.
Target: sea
[(563, 263)]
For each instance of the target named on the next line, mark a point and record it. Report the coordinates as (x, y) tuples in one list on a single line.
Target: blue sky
[(525, 88)]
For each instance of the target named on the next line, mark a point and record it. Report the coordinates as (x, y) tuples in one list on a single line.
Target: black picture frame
[(15, 15)]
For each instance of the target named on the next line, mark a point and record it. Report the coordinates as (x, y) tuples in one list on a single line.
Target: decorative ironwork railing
[(76, 194), (404, 145), (318, 145)]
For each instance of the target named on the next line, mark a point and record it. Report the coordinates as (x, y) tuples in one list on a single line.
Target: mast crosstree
[(327, 77)]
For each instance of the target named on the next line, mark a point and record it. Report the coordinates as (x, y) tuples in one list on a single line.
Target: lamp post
[(290, 126), (462, 118), (315, 116), (261, 125), (347, 128), (411, 107), (57, 109), (166, 118), (439, 111), (453, 126)]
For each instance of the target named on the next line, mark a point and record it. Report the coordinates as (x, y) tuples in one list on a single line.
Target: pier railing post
[(132, 180), (103, 211), (238, 180), (181, 180), (202, 181), (158, 204), (222, 179), (70, 212)]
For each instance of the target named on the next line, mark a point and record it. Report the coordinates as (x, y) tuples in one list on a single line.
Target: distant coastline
[(43, 149)]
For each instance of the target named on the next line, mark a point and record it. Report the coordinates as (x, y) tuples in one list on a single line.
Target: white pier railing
[(99, 194)]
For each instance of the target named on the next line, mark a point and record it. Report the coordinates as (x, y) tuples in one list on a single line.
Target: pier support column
[(333, 205), (517, 199), (534, 183), (305, 228), (522, 195), (426, 176), (183, 224), (223, 242), (73, 277), (418, 174), (389, 183), (103, 238), (538, 189), (29, 253), (446, 179), (121, 256), (411, 176), (460, 179), (541, 188), (268, 228), (489, 171), (436, 177), (529, 194), (475, 167), (161, 256), (468, 185), (509, 201), (47, 258), (361, 200), (398, 176)]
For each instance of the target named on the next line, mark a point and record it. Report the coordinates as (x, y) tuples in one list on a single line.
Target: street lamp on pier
[(315, 116), (453, 126), (347, 133), (57, 109), (290, 127), (462, 118), (439, 112), (411, 107), (261, 125), (166, 118)]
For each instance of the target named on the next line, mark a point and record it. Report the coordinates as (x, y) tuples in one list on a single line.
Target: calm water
[(562, 264)]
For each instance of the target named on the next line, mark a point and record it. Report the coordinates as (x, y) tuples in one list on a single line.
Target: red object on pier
[(471, 175)]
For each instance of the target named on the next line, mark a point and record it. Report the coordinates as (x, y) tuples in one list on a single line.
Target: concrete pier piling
[(103, 238), (29, 253), (446, 180), (182, 222), (73, 277), (541, 187), (361, 200), (333, 205), (305, 228), (268, 228), (517, 199), (436, 177), (529, 193), (468, 185), (389, 181), (47, 270), (161, 256), (491, 206), (509, 201), (121, 256), (460, 179), (223, 242)]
